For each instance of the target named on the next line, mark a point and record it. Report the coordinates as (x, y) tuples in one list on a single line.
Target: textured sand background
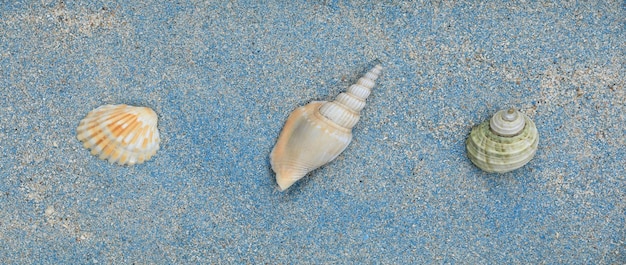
[(223, 77)]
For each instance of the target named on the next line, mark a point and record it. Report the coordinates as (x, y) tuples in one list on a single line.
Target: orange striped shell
[(124, 134)]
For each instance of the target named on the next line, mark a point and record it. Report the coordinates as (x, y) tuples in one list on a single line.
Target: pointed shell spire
[(318, 132), (507, 122), (346, 107)]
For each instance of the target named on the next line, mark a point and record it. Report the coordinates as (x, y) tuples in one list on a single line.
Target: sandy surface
[(223, 77)]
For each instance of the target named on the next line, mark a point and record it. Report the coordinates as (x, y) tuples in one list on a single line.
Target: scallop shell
[(318, 132), (124, 134), (504, 143)]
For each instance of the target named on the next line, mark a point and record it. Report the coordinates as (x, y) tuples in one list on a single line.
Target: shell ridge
[(130, 133), (322, 119), (351, 101), (359, 91), (341, 114), (115, 126)]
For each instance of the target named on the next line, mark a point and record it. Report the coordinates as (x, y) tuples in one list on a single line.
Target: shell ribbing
[(345, 109)]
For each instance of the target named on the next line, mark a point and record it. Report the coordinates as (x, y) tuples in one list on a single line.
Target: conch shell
[(504, 143), (318, 132)]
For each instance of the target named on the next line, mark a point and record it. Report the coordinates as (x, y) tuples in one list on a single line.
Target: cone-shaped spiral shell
[(318, 132), (120, 133), (505, 143)]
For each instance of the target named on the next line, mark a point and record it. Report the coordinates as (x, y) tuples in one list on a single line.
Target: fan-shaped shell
[(124, 134), (505, 143), (318, 132)]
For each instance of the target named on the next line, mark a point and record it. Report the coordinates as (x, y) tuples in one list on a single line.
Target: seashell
[(504, 143), (318, 132), (124, 134)]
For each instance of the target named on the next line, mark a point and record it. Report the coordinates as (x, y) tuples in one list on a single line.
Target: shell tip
[(285, 182), (378, 68)]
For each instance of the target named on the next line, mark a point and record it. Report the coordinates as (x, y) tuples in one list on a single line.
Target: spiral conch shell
[(318, 132), (505, 143), (124, 134)]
